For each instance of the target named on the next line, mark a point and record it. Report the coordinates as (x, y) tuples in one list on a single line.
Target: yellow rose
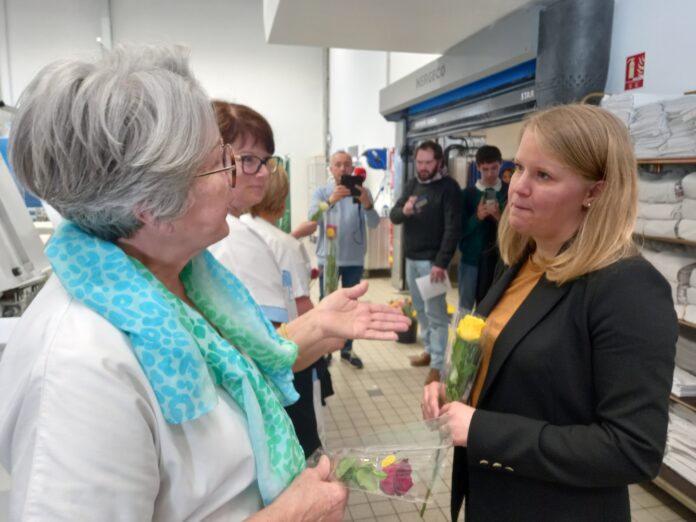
[(470, 328), (388, 461), (331, 232)]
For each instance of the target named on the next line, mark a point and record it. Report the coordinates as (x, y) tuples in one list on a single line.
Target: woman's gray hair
[(101, 141)]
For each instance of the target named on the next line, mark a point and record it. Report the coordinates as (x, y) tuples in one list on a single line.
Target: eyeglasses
[(228, 165), (251, 165)]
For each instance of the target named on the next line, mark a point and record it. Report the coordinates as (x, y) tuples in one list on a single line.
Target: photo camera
[(352, 182)]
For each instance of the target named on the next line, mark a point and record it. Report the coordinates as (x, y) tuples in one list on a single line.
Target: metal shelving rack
[(669, 480)]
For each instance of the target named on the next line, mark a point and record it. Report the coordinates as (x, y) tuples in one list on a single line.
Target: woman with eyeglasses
[(144, 382), (247, 255)]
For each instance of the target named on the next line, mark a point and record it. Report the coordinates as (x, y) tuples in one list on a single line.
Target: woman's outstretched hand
[(345, 317)]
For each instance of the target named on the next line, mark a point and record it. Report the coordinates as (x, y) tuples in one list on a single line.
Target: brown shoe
[(420, 360), (433, 376)]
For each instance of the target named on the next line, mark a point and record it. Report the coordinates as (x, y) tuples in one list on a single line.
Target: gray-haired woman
[(143, 383)]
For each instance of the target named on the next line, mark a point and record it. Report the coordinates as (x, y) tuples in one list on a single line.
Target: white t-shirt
[(289, 253), (244, 253), (83, 437)]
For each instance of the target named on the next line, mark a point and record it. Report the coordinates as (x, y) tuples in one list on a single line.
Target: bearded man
[(430, 209)]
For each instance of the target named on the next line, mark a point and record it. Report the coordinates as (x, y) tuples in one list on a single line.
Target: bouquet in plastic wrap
[(402, 464), (331, 266), (463, 355)]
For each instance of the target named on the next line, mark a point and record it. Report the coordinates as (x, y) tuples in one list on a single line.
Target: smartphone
[(352, 182), (489, 195)]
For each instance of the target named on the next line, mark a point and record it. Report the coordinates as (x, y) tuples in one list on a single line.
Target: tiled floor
[(352, 410)]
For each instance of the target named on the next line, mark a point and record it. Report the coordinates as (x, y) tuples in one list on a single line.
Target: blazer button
[(508, 468), (483, 462), (497, 465)]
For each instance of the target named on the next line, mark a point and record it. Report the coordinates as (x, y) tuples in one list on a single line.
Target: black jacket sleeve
[(452, 209), (396, 214)]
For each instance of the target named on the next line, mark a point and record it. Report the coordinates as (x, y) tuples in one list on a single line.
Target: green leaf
[(366, 479), (344, 466)]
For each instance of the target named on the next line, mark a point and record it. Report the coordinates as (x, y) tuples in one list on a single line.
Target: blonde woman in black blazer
[(573, 405)]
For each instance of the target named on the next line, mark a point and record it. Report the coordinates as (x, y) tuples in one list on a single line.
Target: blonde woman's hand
[(458, 421), (433, 397)]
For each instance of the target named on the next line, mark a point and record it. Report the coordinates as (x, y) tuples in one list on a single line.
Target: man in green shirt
[(482, 206)]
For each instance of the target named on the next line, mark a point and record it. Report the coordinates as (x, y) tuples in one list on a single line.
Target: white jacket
[(84, 439), (289, 253)]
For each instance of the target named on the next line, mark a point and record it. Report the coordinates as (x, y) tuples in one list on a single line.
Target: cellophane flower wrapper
[(331, 265), (401, 464), (463, 355)]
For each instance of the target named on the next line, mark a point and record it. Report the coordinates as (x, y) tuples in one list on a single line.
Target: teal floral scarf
[(183, 357)]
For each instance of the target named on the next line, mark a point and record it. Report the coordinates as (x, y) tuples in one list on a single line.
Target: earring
[(587, 205)]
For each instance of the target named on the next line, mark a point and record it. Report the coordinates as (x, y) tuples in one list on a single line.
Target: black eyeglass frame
[(262, 162)]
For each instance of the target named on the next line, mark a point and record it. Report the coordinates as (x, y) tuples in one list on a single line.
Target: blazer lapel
[(496, 291), (538, 304)]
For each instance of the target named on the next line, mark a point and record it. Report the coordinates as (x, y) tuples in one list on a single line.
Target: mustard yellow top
[(516, 293)]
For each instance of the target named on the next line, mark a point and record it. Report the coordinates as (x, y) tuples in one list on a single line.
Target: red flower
[(398, 480), (314, 273)]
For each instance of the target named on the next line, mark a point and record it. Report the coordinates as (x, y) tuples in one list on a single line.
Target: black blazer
[(574, 405)]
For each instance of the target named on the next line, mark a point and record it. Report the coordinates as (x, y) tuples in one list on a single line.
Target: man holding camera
[(350, 210), (483, 204), (430, 210)]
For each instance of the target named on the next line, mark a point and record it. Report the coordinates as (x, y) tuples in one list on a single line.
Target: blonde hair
[(273, 201), (596, 145)]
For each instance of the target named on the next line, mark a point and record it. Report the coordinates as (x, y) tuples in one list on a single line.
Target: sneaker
[(352, 359)]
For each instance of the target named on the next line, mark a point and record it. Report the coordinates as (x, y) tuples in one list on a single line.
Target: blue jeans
[(432, 314), (348, 276), (468, 277)]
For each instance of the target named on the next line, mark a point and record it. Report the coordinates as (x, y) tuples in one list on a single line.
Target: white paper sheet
[(428, 289)]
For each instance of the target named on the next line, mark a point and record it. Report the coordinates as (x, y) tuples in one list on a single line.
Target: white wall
[(38, 32), (356, 77), (355, 80), (664, 30), (233, 62)]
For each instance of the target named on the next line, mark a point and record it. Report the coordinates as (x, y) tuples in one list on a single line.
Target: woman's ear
[(149, 221), (595, 191)]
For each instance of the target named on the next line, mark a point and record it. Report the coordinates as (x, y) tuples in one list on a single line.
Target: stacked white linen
[(690, 299), (649, 130), (683, 383), (687, 226), (681, 120), (686, 352), (680, 453), (678, 268), (659, 205), (660, 124), (621, 105)]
